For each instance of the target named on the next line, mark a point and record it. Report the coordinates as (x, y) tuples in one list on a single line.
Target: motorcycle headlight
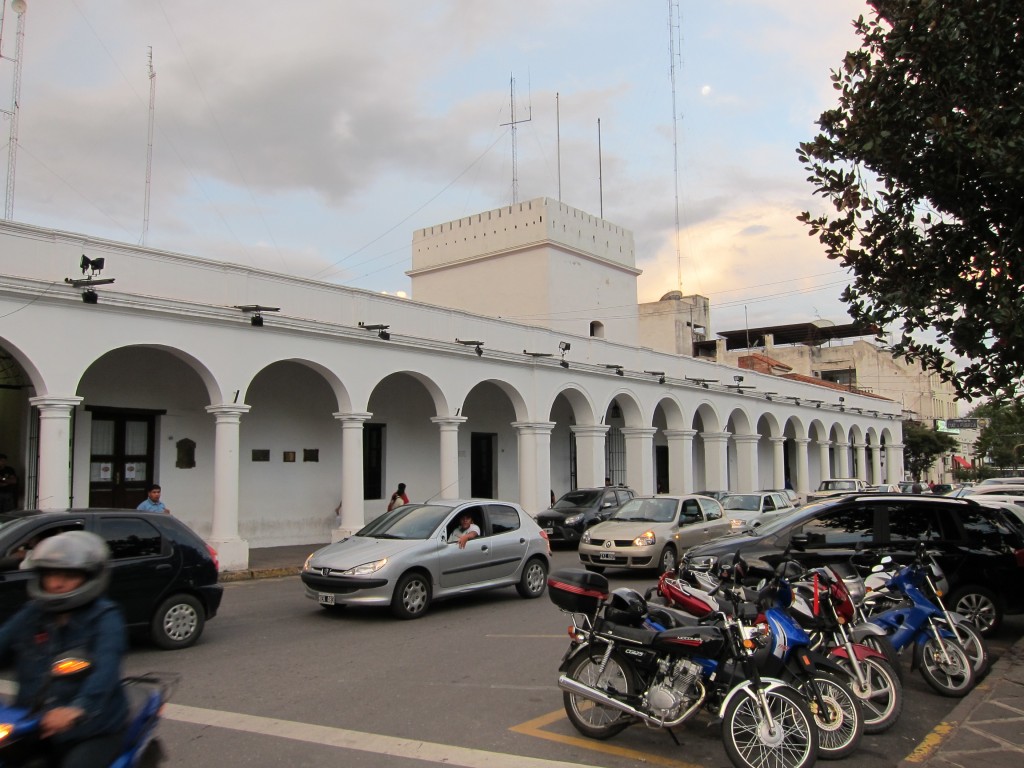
[(586, 537), (645, 539), (704, 563), (572, 520), (366, 568)]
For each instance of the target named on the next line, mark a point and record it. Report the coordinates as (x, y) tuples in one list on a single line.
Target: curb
[(258, 573), (932, 744)]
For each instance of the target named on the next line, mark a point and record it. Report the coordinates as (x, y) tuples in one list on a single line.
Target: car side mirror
[(800, 541)]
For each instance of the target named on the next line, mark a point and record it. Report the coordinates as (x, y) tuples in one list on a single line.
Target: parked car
[(885, 488), (838, 486), (404, 559), (577, 510), (980, 550), (754, 509), (1011, 480), (796, 499), (1000, 489), (942, 489), (716, 495), (652, 532), (1013, 505), (161, 573)]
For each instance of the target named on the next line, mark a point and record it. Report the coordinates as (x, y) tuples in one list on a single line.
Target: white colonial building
[(257, 432)]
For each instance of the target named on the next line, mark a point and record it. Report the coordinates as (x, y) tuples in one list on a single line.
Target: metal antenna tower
[(514, 123), (673, 52), (149, 146), (19, 7)]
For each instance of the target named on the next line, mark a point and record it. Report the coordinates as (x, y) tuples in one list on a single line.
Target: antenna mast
[(558, 145), (19, 7), (673, 14), (514, 123), (149, 146)]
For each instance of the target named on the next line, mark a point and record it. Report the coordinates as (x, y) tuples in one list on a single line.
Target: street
[(277, 680)]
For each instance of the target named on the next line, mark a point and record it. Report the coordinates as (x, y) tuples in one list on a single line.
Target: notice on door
[(129, 472), (106, 472)]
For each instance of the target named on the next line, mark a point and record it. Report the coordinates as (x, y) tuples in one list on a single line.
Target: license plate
[(326, 598), (549, 531), (606, 556)]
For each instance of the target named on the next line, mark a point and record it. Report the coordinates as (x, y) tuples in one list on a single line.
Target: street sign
[(962, 424)]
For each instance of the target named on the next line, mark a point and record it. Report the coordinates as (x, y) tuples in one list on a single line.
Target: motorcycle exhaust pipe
[(575, 686)]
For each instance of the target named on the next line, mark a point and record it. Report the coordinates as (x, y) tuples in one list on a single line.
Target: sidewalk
[(985, 728)]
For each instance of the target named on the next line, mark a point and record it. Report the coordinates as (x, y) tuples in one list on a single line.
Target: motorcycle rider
[(83, 717)]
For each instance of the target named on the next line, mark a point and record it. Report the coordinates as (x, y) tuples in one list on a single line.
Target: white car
[(652, 532), (753, 509)]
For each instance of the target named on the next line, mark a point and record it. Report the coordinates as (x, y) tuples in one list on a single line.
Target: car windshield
[(837, 485), (577, 499), (647, 511), (410, 521), (743, 502)]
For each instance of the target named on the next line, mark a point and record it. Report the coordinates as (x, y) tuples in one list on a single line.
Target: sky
[(313, 137)]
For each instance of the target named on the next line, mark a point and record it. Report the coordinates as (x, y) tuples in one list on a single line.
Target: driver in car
[(467, 530)]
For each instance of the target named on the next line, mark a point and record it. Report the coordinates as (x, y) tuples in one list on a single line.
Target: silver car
[(754, 509), (403, 559), (652, 532)]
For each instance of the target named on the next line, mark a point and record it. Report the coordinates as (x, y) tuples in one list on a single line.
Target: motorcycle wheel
[(884, 646), (882, 695), (750, 741), (617, 680), (955, 677), (975, 647), (839, 733)]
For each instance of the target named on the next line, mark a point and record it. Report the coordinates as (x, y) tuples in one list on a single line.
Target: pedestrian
[(8, 485), (152, 502), (398, 498)]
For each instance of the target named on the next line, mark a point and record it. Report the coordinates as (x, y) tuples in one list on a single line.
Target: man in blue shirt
[(153, 503)]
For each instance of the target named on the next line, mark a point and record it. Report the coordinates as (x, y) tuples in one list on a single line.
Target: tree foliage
[(923, 162), (1003, 439), (922, 445)]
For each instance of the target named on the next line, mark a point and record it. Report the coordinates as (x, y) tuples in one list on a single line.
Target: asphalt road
[(276, 680)]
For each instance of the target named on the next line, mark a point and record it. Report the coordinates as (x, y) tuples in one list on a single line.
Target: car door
[(143, 563), (16, 545), (693, 526), (837, 535), (716, 523), (464, 567), (508, 541)]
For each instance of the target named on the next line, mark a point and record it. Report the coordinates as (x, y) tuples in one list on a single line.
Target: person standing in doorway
[(152, 502), (398, 498), (8, 485)]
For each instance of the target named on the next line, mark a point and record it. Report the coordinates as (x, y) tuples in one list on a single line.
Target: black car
[(980, 550), (577, 510), (162, 574)]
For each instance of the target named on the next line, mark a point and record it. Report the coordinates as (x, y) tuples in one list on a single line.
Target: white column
[(352, 506), (842, 460), (876, 464), (860, 451), (894, 462), (590, 464), (746, 462), (534, 464), (778, 462), (640, 459), (803, 470), (54, 483), (825, 459), (716, 460), (232, 549), (449, 454), (680, 460)]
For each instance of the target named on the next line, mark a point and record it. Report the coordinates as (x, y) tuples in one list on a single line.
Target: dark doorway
[(481, 465), (661, 468), (121, 457)]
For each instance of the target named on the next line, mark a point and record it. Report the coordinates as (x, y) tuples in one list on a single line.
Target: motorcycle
[(618, 671), (838, 714), (146, 694), (915, 622)]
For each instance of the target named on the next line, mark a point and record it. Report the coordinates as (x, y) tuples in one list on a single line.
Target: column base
[(337, 534), (232, 554)]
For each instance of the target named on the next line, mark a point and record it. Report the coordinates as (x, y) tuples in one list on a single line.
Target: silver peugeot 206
[(413, 555)]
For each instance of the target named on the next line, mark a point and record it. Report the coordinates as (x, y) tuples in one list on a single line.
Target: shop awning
[(962, 462)]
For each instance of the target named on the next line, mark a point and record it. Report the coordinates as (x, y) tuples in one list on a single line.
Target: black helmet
[(627, 606), (78, 551)]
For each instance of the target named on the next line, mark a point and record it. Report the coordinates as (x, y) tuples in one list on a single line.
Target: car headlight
[(586, 537), (645, 539), (366, 568), (574, 519), (305, 565)]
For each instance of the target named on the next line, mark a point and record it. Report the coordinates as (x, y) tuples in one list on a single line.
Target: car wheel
[(594, 568), (412, 596), (178, 622), (534, 579), (668, 560), (980, 606)]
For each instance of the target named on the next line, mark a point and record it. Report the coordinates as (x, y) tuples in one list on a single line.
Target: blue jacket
[(33, 640)]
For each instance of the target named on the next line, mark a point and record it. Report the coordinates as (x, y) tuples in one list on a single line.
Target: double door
[(121, 458)]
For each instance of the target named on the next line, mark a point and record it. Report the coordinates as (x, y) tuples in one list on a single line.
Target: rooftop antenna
[(19, 7), (514, 123), (558, 144), (600, 172), (673, 53), (149, 146)]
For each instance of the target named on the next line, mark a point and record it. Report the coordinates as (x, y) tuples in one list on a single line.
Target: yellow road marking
[(535, 728), (930, 742)]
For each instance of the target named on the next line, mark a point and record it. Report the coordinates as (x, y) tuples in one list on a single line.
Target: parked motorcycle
[(617, 672), (19, 726)]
